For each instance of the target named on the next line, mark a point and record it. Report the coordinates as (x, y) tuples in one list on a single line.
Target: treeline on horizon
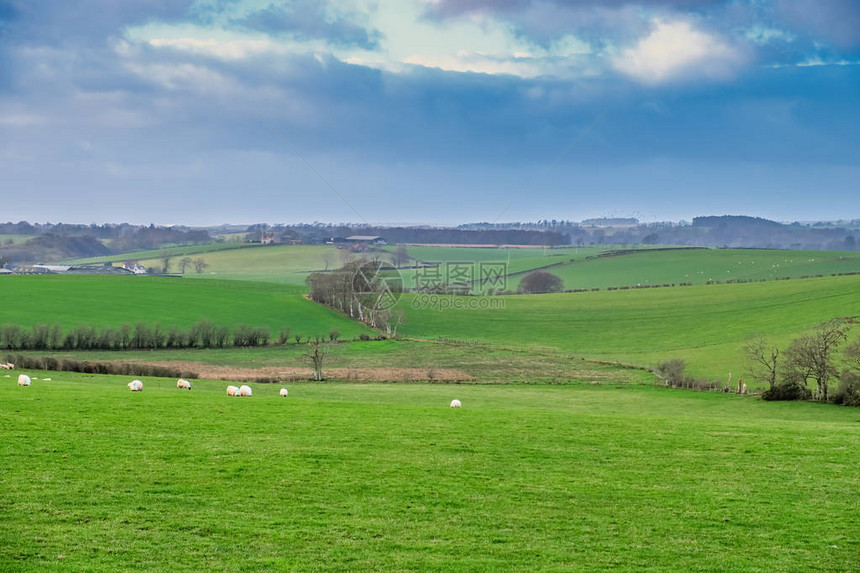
[(68, 241), (52, 242)]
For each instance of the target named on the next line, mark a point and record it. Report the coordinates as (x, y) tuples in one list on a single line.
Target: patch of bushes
[(848, 392), (789, 390), (96, 367), (203, 334)]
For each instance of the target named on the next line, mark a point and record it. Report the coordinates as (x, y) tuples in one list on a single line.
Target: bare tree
[(852, 355), (165, 259), (316, 354), (401, 256), (811, 356), (184, 263), (764, 358), (199, 265)]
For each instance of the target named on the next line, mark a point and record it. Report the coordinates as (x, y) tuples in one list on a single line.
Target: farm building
[(367, 239)]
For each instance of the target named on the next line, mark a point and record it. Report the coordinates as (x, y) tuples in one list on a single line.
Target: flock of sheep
[(181, 384)]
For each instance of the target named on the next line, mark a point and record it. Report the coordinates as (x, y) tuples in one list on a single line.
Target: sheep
[(23, 380), (284, 392), (245, 390), (232, 391), (183, 384), (456, 404), (135, 386)]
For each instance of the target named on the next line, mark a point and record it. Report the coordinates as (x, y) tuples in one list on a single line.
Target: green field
[(173, 251), (115, 300), (701, 266), (388, 478), (705, 325), (15, 239)]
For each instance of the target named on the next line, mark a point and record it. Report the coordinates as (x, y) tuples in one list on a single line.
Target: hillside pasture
[(387, 477), (94, 300), (705, 325), (700, 266)]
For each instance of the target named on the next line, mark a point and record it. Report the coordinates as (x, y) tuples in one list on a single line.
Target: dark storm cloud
[(837, 21), (307, 19)]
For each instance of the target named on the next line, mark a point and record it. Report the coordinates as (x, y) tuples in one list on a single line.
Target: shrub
[(672, 371), (540, 282), (790, 390), (284, 335), (333, 335), (848, 392)]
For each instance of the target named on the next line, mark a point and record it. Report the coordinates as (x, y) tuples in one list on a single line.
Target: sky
[(436, 112)]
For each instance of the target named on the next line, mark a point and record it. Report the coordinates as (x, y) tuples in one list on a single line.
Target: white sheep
[(232, 391), (23, 380), (135, 386), (456, 404), (284, 392), (183, 384), (245, 390)]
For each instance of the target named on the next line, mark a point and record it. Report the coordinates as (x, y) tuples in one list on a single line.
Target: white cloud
[(676, 49)]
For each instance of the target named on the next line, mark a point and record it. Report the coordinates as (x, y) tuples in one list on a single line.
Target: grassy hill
[(115, 300), (700, 266), (706, 325), (388, 478)]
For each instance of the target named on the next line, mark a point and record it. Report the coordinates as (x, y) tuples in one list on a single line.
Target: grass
[(387, 477), (115, 300), (702, 265), (486, 364), (705, 325), (154, 254)]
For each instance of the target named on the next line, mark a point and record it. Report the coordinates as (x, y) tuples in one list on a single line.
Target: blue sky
[(428, 111)]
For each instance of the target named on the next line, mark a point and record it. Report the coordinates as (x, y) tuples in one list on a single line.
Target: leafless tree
[(401, 256), (764, 358), (184, 263), (165, 259), (316, 354), (852, 354), (199, 265), (812, 355)]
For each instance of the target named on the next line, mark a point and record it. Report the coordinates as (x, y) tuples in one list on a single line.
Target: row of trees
[(820, 357), (198, 264), (360, 290), (203, 334)]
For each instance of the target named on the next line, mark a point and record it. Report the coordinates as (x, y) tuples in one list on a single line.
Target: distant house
[(136, 268)]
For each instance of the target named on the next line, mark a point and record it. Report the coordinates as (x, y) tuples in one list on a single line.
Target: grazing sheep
[(456, 404), (23, 380), (232, 391), (135, 386), (284, 392), (245, 390), (183, 384)]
